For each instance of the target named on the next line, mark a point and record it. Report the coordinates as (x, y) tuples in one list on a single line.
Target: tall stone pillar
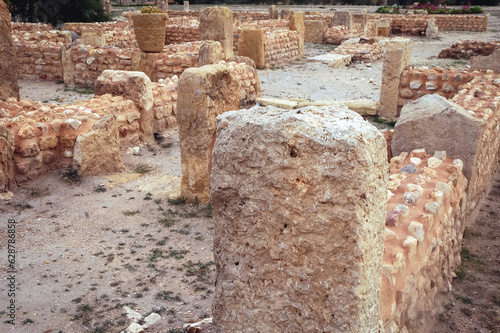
[(203, 94), (8, 59), (297, 24), (300, 200), (397, 58), (216, 23), (273, 13), (186, 6), (343, 18)]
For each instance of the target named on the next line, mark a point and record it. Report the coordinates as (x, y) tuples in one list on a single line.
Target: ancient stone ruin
[(322, 222)]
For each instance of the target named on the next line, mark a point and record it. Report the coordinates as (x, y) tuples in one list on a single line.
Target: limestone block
[(434, 123), (285, 13), (297, 24), (432, 30), (203, 94), (343, 18), (210, 52), (300, 204), (333, 59), (98, 151), (7, 179), (314, 31), (397, 58), (251, 44), (273, 13), (146, 62), (487, 62), (216, 23), (135, 86), (93, 38), (8, 70)]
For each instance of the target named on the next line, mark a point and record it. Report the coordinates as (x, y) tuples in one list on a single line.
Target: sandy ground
[(85, 250)]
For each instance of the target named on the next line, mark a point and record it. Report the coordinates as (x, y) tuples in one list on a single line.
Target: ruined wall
[(417, 82), (366, 51), (31, 27), (413, 24), (468, 48), (281, 47), (424, 230)]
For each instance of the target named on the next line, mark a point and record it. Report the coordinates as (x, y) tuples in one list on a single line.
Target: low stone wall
[(30, 27), (469, 48), (87, 63), (39, 54), (417, 82), (423, 232), (338, 34), (366, 50), (281, 47), (413, 24)]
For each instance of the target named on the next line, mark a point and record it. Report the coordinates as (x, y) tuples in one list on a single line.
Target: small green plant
[(71, 175), (28, 321), (151, 10), (100, 188), (167, 296), (208, 210), (463, 299), (148, 196), (131, 212), (37, 192), (167, 145), (461, 273), (83, 91), (142, 169)]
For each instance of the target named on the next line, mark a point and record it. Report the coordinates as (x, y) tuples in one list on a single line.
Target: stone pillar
[(297, 24), (162, 4), (343, 18), (383, 28), (186, 6), (432, 30), (98, 151), (285, 13), (300, 200), (216, 23), (314, 31), (135, 86), (68, 66), (7, 176), (8, 58), (397, 58), (251, 44), (273, 13), (210, 52), (203, 94)]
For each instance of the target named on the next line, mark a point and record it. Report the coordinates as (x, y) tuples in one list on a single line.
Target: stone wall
[(182, 30), (281, 47), (469, 48), (413, 24), (423, 233), (417, 82), (31, 27)]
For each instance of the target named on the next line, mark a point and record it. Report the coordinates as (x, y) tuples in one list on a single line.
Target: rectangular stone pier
[(300, 203)]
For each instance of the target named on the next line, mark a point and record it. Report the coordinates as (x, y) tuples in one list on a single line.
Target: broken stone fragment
[(73, 123), (434, 162), (420, 153), (415, 161), (445, 188), (403, 209), (389, 234), (441, 154), (134, 328), (415, 188), (410, 244), (411, 198), (152, 319), (392, 218)]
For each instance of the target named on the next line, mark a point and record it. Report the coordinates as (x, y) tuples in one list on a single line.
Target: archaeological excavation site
[(250, 168)]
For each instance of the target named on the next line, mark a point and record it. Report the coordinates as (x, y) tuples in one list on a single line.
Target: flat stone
[(410, 168), (434, 162), (432, 207)]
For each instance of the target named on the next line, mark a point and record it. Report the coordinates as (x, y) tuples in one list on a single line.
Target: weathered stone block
[(7, 179), (8, 70), (210, 52), (397, 58), (135, 86), (434, 123), (487, 62), (300, 203), (203, 94), (251, 44), (343, 18), (314, 31), (216, 23), (273, 13), (98, 152)]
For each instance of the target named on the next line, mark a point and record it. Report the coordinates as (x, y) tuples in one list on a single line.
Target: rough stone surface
[(210, 52), (251, 45), (314, 31), (298, 235), (98, 152), (434, 123), (203, 94), (343, 18), (297, 24), (432, 30), (397, 58), (7, 180), (216, 23), (135, 86), (487, 62), (8, 70)]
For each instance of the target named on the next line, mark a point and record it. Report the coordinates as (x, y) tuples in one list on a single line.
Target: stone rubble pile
[(469, 48)]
